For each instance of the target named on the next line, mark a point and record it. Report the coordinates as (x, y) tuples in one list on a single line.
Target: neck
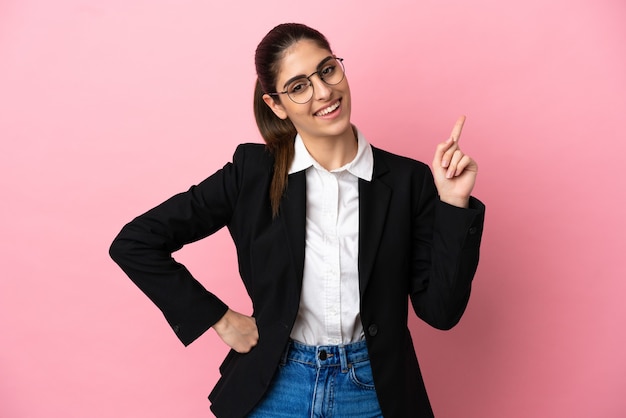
[(334, 151)]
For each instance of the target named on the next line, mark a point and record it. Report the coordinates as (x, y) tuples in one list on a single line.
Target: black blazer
[(412, 247)]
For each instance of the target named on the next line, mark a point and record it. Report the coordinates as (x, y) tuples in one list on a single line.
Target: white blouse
[(329, 303)]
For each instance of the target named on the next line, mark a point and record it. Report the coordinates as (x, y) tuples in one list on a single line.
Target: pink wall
[(109, 107)]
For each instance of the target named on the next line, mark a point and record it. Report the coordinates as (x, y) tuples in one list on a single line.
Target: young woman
[(333, 238)]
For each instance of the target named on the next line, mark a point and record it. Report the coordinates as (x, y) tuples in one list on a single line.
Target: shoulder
[(388, 161), (250, 149), (253, 154)]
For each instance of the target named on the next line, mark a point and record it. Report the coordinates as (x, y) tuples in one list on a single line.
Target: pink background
[(109, 107)]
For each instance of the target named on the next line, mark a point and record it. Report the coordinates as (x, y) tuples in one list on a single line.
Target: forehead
[(302, 57)]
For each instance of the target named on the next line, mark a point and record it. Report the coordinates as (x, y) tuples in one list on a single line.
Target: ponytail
[(279, 137)]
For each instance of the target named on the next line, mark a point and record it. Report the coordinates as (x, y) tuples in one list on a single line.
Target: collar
[(362, 166)]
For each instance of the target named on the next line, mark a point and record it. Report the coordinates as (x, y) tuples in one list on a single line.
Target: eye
[(298, 86), (327, 70)]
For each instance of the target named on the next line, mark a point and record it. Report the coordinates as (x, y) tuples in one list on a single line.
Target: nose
[(321, 90)]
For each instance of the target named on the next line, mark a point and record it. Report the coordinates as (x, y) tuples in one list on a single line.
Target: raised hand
[(454, 172), (238, 331)]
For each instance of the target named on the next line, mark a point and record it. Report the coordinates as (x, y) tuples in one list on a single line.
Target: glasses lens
[(300, 90), (333, 72)]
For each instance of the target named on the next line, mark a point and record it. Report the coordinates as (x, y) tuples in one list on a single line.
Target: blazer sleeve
[(446, 251), (144, 247)]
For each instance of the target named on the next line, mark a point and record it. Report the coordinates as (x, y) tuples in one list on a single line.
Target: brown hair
[(278, 133)]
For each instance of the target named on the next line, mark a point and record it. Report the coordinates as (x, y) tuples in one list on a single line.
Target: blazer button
[(473, 230), (372, 330), (176, 328)]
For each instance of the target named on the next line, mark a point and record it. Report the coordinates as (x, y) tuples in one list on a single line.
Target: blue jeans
[(323, 381)]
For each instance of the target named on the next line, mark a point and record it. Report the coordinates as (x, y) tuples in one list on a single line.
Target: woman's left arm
[(447, 233)]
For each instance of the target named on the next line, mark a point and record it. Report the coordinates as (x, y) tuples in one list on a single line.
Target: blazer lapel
[(374, 199), (293, 215)]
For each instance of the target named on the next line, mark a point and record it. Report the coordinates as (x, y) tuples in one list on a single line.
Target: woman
[(333, 236)]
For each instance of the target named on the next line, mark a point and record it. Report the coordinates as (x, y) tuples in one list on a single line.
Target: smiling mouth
[(328, 109)]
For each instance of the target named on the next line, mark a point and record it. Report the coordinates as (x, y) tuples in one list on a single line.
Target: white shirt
[(329, 303)]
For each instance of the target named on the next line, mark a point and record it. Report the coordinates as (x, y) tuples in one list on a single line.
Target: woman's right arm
[(144, 247)]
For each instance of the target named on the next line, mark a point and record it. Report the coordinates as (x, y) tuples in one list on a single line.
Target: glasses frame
[(319, 74)]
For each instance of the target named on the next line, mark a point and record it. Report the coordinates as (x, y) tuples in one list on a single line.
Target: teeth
[(328, 109)]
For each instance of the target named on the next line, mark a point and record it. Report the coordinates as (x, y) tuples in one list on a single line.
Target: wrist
[(222, 323)]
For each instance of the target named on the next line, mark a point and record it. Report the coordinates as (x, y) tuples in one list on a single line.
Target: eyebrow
[(319, 67)]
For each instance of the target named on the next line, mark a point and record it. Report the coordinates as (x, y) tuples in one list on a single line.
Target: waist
[(343, 355)]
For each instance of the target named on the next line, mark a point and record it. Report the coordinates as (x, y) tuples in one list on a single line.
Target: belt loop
[(283, 359), (343, 355)]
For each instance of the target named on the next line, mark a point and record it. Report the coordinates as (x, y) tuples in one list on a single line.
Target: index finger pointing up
[(458, 127)]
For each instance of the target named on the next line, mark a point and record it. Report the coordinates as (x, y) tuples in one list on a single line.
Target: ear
[(276, 107)]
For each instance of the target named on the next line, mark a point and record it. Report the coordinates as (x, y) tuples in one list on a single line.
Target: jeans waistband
[(343, 355)]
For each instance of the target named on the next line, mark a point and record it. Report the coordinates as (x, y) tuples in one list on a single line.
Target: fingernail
[(444, 163)]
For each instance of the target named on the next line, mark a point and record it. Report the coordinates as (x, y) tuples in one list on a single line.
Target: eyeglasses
[(300, 89)]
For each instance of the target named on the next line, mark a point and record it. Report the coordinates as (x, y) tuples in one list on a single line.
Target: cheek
[(347, 89), (297, 112)]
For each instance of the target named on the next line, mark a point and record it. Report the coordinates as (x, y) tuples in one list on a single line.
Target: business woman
[(334, 238)]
